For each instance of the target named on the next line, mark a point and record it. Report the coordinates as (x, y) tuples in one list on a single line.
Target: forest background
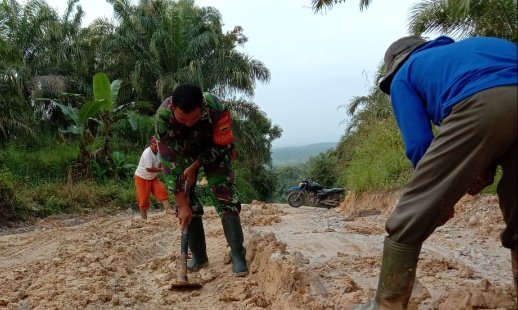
[(77, 103)]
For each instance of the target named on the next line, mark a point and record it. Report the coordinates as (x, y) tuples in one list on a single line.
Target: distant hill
[(299, 154)]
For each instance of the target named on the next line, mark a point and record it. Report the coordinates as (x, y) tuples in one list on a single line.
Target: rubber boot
[(514, 265), (143, 214), (234, 234), (197, 245), (397, 275)]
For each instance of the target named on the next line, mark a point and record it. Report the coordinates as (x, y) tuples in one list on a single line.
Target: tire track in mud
[(35, 248)]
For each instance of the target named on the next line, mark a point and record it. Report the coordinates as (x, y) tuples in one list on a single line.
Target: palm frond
[(323, 5), (465, 18), (10, 128)]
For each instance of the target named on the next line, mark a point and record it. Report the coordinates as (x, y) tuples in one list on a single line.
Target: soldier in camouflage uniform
[(194, 131)]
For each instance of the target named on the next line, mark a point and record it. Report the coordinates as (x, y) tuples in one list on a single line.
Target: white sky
[(317, 61)]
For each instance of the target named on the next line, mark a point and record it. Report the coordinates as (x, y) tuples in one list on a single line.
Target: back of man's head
[(187, 97)]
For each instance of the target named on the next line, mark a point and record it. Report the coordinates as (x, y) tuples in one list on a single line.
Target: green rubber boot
[(197, 245), (234, 234), (397, 276)]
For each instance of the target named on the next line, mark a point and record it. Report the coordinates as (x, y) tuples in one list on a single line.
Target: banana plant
[(119, 169), (120, 166), (82, 166), (106, 111), (103, 110)]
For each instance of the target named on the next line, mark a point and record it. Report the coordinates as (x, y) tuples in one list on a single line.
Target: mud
[(303, 258)]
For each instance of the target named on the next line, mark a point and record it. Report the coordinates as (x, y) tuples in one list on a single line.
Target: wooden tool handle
[(183, 257)]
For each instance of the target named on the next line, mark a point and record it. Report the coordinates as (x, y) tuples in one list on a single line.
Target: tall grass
[(32, 165), (377, 161), (83, 197)]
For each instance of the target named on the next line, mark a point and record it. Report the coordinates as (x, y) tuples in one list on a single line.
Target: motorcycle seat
[(335, 190)]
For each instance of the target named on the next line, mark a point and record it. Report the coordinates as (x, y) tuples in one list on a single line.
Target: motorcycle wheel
[(296, 199)]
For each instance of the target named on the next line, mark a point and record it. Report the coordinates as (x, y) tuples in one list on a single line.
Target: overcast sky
[(317, 61)]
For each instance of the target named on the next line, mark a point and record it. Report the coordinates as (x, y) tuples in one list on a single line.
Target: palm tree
[(254, 132), (160, 44), (13, 110), (322, 5), (366, 109), (176, 42), (369, 111), (46, 42), (45, 48), (461, 18), (254, 135), (466, 18)]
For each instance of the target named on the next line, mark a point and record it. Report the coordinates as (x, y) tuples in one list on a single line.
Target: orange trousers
[(146, 187)]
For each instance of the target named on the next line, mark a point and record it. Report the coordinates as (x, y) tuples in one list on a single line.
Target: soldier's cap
[(396, 55)]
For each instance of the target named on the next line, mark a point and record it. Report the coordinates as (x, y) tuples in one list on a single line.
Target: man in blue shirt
[(468, 89)]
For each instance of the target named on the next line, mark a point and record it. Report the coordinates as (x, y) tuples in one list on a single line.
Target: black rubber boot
[(197, 245), (234, 234), (397, 276)]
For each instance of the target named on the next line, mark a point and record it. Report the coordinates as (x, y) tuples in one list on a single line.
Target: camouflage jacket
[(209, 140)]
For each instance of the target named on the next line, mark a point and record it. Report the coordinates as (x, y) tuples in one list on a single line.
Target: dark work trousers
[(479, 132)]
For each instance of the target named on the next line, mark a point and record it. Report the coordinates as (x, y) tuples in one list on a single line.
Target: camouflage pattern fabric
[(179, 146)]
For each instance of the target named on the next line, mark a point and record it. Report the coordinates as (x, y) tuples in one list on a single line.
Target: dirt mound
[(303, 258)]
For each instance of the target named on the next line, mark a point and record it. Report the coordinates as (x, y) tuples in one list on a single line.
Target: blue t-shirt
[(440, 74)]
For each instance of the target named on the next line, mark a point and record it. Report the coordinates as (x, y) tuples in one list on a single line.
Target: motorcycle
[(316, 194)]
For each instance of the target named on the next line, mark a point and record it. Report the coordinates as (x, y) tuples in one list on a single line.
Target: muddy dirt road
[(303, 258)]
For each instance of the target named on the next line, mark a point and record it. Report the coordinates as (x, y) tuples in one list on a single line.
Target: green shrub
[(46, 199), (245, 191), (6, 188), (118, 195), (322, 169), (51, 198), (32, 166), (127, 139), (491, 189), (11, 208)]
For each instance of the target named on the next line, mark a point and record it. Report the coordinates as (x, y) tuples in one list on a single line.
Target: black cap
[(397, 53)]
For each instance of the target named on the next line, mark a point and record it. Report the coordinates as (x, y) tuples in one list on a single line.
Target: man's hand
[(184, 216), (485, 179), (184, 210)]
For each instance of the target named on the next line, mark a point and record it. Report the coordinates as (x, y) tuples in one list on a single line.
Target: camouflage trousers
[(220, 180)]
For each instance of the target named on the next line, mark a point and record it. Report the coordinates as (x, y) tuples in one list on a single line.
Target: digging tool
[(183, 280)]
